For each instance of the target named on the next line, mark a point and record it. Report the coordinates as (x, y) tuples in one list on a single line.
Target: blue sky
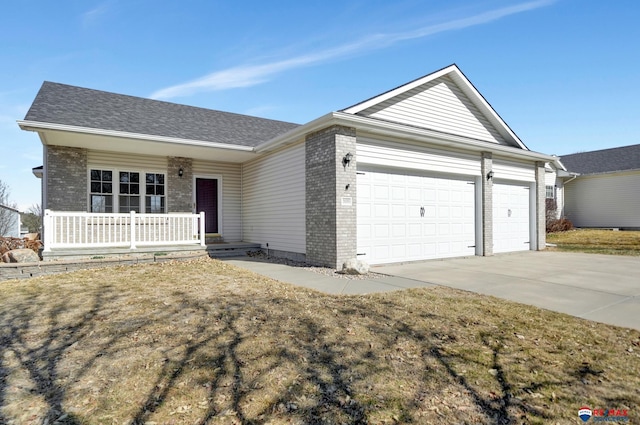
[(563, 74)]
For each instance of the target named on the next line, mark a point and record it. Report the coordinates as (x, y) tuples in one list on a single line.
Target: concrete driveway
[(603, 288)]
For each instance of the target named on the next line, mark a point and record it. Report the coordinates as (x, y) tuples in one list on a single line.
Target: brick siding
[(66, 178), (179, 189), (330, 196), (486, 165)]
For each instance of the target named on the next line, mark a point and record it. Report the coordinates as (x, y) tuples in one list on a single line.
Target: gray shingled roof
[(603, 161), (77, 106)]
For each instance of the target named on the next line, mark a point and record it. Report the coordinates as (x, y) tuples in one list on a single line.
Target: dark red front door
[(207, 201)]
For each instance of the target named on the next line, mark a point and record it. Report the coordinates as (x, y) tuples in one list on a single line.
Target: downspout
[(575, 176)]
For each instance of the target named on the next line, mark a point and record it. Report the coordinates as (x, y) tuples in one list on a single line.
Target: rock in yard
[(355, 267), (20, 256)]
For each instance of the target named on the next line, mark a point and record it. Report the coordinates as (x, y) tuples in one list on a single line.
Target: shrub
[(559, 225)]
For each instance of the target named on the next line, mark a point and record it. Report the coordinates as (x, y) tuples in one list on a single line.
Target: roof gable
[(604, 161), (76, 106), (444, 101)]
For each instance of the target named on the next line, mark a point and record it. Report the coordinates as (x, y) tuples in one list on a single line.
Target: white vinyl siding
[(397, 155), (231, 195), (606, 200), (511, 170), (438, 105), (273, 200), (126, 161)]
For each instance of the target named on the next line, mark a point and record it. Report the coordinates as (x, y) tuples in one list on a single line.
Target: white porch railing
[(80, 230)]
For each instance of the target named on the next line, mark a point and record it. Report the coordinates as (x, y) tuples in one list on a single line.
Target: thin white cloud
[(94, 14), (251, 75)]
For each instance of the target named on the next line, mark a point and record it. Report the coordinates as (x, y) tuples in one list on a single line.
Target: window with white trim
[(129, 198), (101, 191), (133, 194), (550, 192), (154, 198)]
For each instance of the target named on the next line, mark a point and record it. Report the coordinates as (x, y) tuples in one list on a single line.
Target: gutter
[(38, 126), (360, 123), (399, 130), (573, 177)]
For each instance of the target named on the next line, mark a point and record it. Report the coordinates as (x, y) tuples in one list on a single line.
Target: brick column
[(541, 218), (179, 189), (66, 175), (330, 196), (486, 165)]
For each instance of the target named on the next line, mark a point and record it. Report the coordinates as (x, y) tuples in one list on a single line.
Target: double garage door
[(404, 217)]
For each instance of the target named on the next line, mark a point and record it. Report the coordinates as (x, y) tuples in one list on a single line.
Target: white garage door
[(406, 218), (510, 218)]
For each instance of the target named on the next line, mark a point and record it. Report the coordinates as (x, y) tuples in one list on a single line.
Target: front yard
[(597, 241), (205, 342)]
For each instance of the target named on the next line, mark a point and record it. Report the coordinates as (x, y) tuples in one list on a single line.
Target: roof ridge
[(147, 99)]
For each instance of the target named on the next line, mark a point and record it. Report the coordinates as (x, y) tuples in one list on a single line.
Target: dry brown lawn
[(205, 342), (597, 241)]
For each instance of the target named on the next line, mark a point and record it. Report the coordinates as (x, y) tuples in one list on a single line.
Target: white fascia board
[(390, 129), (478, 99), (402, 89), (565, 174), (559, 164), (40, 126), (443, 139), (297, 133), (467, 87)]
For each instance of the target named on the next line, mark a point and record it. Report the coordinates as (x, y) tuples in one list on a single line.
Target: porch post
[(47, 224), (132, 226), (202, 234)]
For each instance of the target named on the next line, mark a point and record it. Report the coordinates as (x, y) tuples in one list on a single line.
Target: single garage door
[(510, 217), (406, 218)]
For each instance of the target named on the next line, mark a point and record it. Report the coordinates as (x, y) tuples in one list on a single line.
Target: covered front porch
[(80, 235), (92, 230)]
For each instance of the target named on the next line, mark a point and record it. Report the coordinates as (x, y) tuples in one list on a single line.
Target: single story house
[(555, 178), (604, 190), (426, 170), (9, 222)]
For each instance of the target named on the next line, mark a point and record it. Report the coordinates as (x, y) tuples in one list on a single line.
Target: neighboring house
[(555, 178), (606, 190), (9, 222), (426, 170)]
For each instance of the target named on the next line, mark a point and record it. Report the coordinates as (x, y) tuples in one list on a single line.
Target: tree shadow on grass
[(249, 357), (39, 356)]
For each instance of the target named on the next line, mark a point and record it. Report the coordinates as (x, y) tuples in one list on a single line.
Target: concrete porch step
[(212, 238), (231, 249), (98, 253)]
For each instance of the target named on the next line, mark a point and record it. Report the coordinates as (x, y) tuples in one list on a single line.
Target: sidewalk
[(604, 288), (331, 285)]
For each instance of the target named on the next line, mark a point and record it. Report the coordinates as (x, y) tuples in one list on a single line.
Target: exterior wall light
[(180, 172), (490, 175), (347, 159)]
